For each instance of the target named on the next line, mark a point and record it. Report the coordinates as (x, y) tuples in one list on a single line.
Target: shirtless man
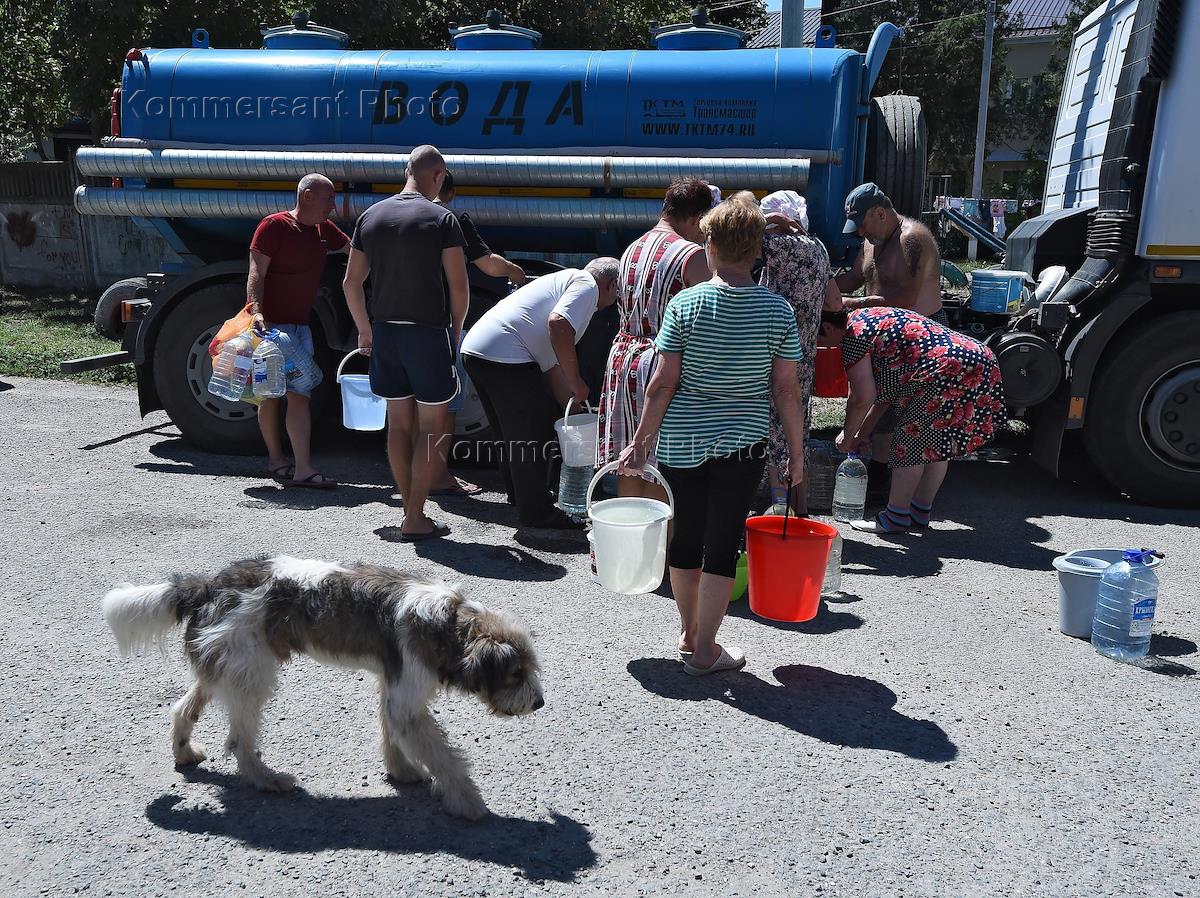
[(898, 263)]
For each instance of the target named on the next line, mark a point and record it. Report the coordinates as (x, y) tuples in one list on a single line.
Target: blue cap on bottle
[(1140, 556)]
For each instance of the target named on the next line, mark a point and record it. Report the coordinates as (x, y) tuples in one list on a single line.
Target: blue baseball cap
[(863, 199)]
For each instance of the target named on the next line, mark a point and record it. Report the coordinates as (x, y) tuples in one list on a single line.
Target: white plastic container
[(361, 409), (997, 291), (1079, 574), (629, 536)]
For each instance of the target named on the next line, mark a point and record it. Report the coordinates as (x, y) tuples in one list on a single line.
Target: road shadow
[(916, 556), (482, 560), (558, 542), (838, 709), (158, 430), (1166, 646), (5, 386), (827, 620), (300, 498), (409, 822)]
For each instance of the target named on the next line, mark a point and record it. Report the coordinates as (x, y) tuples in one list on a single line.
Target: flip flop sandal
[(282, 473), (458, 490), (734, 660), (312, 483), (874, 525), (438, 531)]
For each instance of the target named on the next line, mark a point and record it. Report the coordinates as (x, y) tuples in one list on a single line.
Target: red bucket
[(787, 570), (830, 381)]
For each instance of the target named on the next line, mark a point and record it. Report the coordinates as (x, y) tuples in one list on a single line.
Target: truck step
[(95, 362)]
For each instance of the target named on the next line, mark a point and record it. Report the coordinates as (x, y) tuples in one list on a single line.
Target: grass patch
[(39, 329), (828, 414)]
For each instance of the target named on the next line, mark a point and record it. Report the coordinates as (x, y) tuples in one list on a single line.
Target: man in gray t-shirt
[(413, 324)]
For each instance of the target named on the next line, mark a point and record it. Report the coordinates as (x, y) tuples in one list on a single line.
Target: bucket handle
[(612, 466), (338, 377), (567, 411)]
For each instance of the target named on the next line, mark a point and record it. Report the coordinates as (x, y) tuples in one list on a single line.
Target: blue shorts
[(302, 341), (412, 361), (460, 398)]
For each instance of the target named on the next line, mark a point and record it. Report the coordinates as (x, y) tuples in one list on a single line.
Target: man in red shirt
[(287, 256)]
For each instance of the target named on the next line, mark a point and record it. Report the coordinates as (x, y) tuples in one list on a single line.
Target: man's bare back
[(903, 271)]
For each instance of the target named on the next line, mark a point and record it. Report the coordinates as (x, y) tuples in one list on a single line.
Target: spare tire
[(896, 151), (108, 308)]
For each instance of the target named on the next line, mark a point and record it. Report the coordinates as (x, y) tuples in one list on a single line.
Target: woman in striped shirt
[(726, 346)]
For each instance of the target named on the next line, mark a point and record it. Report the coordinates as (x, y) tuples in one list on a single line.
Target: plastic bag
[(238, 324)]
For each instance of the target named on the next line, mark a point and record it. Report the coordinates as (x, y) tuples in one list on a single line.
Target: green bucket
[(740, 578)]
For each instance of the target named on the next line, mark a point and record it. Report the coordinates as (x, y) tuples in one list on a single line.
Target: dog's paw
[(406, 775), (270, 781), (190, 753), (466, 803)]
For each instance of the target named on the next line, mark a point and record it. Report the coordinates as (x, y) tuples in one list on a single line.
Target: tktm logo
[(663, 109)]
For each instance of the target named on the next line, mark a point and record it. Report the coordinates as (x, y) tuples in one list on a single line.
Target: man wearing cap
[(899, 267), (898, 263)]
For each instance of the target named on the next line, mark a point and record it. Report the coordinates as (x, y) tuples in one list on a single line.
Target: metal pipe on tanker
[(507, 170), (602, 213)]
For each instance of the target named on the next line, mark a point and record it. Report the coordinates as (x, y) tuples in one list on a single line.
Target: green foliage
[(32, 99), (38, 330), (939, 60)]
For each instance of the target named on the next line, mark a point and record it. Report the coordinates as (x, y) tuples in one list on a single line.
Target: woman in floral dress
[(658, 265), (796, 266), (947, 391)]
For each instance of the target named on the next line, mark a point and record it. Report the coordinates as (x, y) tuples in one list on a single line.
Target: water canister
[(850, 489), (231, 369), (994, 290), (267, 369), (1125, 606), (833, 569)]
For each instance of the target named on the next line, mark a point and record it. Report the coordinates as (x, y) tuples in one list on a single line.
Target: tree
[(939, 60), (33, 99)]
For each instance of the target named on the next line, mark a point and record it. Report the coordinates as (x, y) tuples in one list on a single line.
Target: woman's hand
[(852, 443), (795, 470), (780, 222), (632, 461)]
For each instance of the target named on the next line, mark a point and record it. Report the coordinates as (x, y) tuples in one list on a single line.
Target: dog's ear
[(486, 664)]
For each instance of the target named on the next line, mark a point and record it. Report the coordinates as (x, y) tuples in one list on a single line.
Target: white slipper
[(732, 658), (872, 525)]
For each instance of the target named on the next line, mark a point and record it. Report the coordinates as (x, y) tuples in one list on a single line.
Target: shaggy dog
[(416, 635)]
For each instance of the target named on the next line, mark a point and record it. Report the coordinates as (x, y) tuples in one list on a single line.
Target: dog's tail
[(142, 616)]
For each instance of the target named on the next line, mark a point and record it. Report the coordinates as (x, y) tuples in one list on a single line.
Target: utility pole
[(985, 81), (791, 24)]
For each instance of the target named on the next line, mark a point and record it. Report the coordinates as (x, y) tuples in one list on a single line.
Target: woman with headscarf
[(796, 266), (654, 268), (946, 389)]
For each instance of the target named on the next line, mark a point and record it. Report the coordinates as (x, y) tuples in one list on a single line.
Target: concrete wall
[(46, 243)]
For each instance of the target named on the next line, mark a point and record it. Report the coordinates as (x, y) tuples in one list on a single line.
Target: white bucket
[(361, 409), (629, 536), (577, 437), (1079, 574)]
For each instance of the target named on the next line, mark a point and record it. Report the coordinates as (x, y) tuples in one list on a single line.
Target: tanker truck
[(554, 153), (1109, 356)]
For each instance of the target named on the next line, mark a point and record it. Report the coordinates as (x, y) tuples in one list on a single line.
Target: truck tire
[(182, 368), (1142, 425), (108, 308), (896, 154)]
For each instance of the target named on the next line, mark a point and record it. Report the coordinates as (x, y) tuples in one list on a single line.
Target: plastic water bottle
[(1125, 605), (231, 370), (832, 586), (572, 488), (850, 490), (267, 369), (820, 477), (300, 372)]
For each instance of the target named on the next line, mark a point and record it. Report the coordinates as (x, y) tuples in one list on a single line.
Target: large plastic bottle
[(1125, 604), (850, 490), (267, 370), (299, 370), (573, 483), (833, 569), (820, 477), (231, 369)]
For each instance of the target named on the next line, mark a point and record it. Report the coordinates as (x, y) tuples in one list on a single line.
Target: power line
[(844, 9)]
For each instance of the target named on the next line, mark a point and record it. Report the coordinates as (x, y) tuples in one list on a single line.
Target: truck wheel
[(108, 308), (896, 153), (1142, 429), (182, 368)]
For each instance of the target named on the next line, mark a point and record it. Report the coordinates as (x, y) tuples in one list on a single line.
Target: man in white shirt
[(521, 358)]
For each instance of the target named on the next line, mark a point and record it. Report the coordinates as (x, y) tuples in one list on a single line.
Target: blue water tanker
[(553, 151)]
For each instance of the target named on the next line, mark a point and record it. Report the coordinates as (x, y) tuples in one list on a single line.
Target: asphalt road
[(934, 734)]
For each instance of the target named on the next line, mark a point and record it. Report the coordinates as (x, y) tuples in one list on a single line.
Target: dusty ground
[(934, 734)]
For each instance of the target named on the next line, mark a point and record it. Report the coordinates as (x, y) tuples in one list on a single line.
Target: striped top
[(729, 338)]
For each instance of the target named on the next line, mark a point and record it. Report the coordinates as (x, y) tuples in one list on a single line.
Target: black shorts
[(412, 361)]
